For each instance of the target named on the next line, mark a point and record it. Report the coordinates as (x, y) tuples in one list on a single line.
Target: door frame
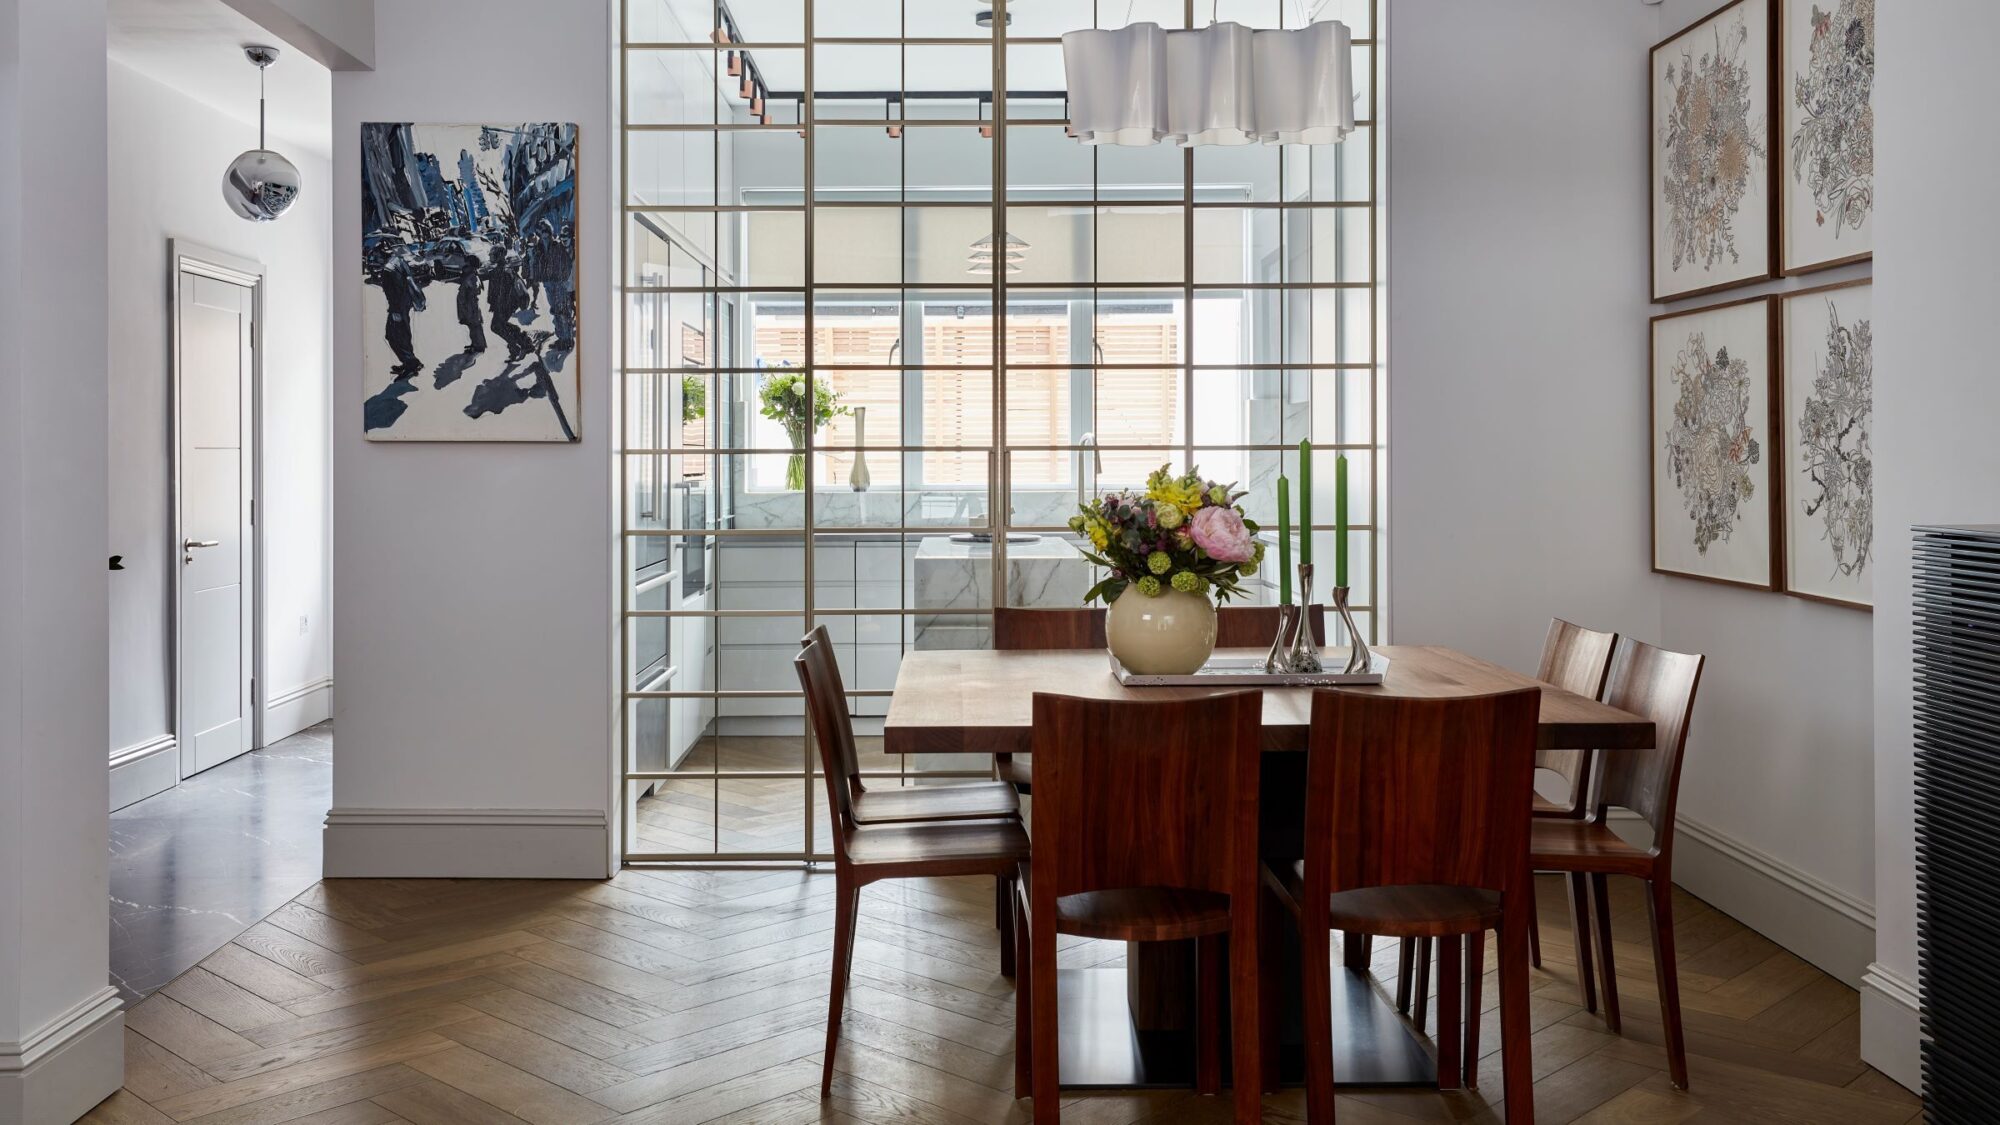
[(186, 256)]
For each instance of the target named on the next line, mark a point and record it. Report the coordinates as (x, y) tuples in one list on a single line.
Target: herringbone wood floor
[(679, 996)]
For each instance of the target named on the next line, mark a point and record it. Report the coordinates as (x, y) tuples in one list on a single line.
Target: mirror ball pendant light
[(260, 185)]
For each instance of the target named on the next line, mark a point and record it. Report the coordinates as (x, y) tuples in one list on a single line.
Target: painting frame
[(1763, 331), (471, 228), (1790, 442), (1760, 194), (1789, 210)]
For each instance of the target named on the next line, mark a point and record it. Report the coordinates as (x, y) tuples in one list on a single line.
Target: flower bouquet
[(1172, 552), (785, 402)]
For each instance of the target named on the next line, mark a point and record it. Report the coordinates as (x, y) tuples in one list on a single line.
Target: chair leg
[(1316, 980), (1600, 908), (1406, 969), (847, 901), (1046, 1063), (1516, 1064), (1451, 954), (1420, 999), (1208, 1015), (1003, 917), (1356, 950), (1270, 938), (1534, 925), (1475, 998), (1024, 1008), (1660, 904), (1246, 1018), (1579, 920)]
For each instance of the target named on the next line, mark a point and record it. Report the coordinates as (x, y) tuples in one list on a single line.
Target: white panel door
[(215, 559)]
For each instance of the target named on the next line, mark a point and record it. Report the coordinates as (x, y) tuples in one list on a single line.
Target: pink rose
[(1221, 533)]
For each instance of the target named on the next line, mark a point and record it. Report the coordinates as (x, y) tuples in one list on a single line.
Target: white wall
[(1780, 756), (60, 1025), (1517, 345), (1518, 351), (167, 152), (1938, 461), (473, 597)]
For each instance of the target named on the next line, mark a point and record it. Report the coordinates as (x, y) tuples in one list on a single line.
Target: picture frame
[(1826, 134), (1827, 403), (470, 282), (1712, 197), (1715, 495)]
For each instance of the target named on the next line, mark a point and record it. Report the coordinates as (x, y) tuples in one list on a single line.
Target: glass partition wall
[(867, 214)]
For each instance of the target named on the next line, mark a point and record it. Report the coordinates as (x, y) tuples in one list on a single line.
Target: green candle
[(1305, 503), (1284, 541), (1340, 520)]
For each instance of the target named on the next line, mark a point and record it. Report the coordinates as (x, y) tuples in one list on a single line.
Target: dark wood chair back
[(1660, 685), (1419, 792), (1016, 629), (832, 727), (1146, 794), (1236, 626), (1574, 659), (1253, 626)]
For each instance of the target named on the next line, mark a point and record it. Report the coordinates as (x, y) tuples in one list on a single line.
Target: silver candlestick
[(1304, 654), (1359, 659), (1277, 660)]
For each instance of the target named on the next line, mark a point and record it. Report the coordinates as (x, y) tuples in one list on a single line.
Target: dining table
[(1131, 1026)]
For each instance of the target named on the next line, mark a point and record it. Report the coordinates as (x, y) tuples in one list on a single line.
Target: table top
[(981, 701)]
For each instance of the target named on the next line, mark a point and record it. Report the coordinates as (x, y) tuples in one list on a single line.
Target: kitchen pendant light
[(1224, 84), (260, 185)]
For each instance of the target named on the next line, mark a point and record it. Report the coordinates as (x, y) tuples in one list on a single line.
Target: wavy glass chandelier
[(1224, 84)]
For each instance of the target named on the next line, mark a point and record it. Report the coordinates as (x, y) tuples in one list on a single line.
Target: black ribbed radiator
[(1957, 709)]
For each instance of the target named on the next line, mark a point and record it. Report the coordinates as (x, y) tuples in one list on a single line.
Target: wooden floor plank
[(698, 997)]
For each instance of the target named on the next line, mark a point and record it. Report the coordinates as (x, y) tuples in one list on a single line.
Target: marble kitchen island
[(950, 574)]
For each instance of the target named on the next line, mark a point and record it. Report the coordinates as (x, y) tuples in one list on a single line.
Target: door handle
[(191, 544)]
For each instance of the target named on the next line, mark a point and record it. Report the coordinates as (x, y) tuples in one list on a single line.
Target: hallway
[(195, 866)]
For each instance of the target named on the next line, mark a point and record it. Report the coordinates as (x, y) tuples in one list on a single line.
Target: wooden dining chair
[(1417, 826), (868, 853), (1016, 629), (911, 804), (1660, 685), (1145, 830), (1574, 659)]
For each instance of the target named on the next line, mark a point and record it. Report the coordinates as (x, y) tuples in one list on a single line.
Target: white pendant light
[(1211, 94), (1305, 85), (1223, 84), (260, 185), (1117, 84)]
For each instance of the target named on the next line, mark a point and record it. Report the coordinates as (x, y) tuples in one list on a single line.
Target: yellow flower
[(1098, 535), (1183, 494)]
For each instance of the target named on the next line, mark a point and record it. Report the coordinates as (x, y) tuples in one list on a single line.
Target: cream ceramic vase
[(1171, 635)]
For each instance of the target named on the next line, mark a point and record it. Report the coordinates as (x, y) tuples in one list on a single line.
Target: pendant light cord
[(260, 105)]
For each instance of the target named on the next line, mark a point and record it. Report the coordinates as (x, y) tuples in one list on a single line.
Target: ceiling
[(196, 47)]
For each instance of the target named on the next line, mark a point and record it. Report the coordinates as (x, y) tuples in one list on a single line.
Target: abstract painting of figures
[(1714, 489), (469, 275)]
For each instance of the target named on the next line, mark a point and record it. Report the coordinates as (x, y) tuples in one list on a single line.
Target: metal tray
[(1248, 671)]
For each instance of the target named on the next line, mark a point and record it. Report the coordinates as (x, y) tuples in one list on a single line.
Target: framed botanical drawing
[(1715, 493), (1829, 458), (1826, 170), (1713, 202)]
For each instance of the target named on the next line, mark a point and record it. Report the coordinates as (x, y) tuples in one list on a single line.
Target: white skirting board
[(1817, 921), (139, 771), (286, 713), (75, 1061), (1892, 1025), (467, 844)]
